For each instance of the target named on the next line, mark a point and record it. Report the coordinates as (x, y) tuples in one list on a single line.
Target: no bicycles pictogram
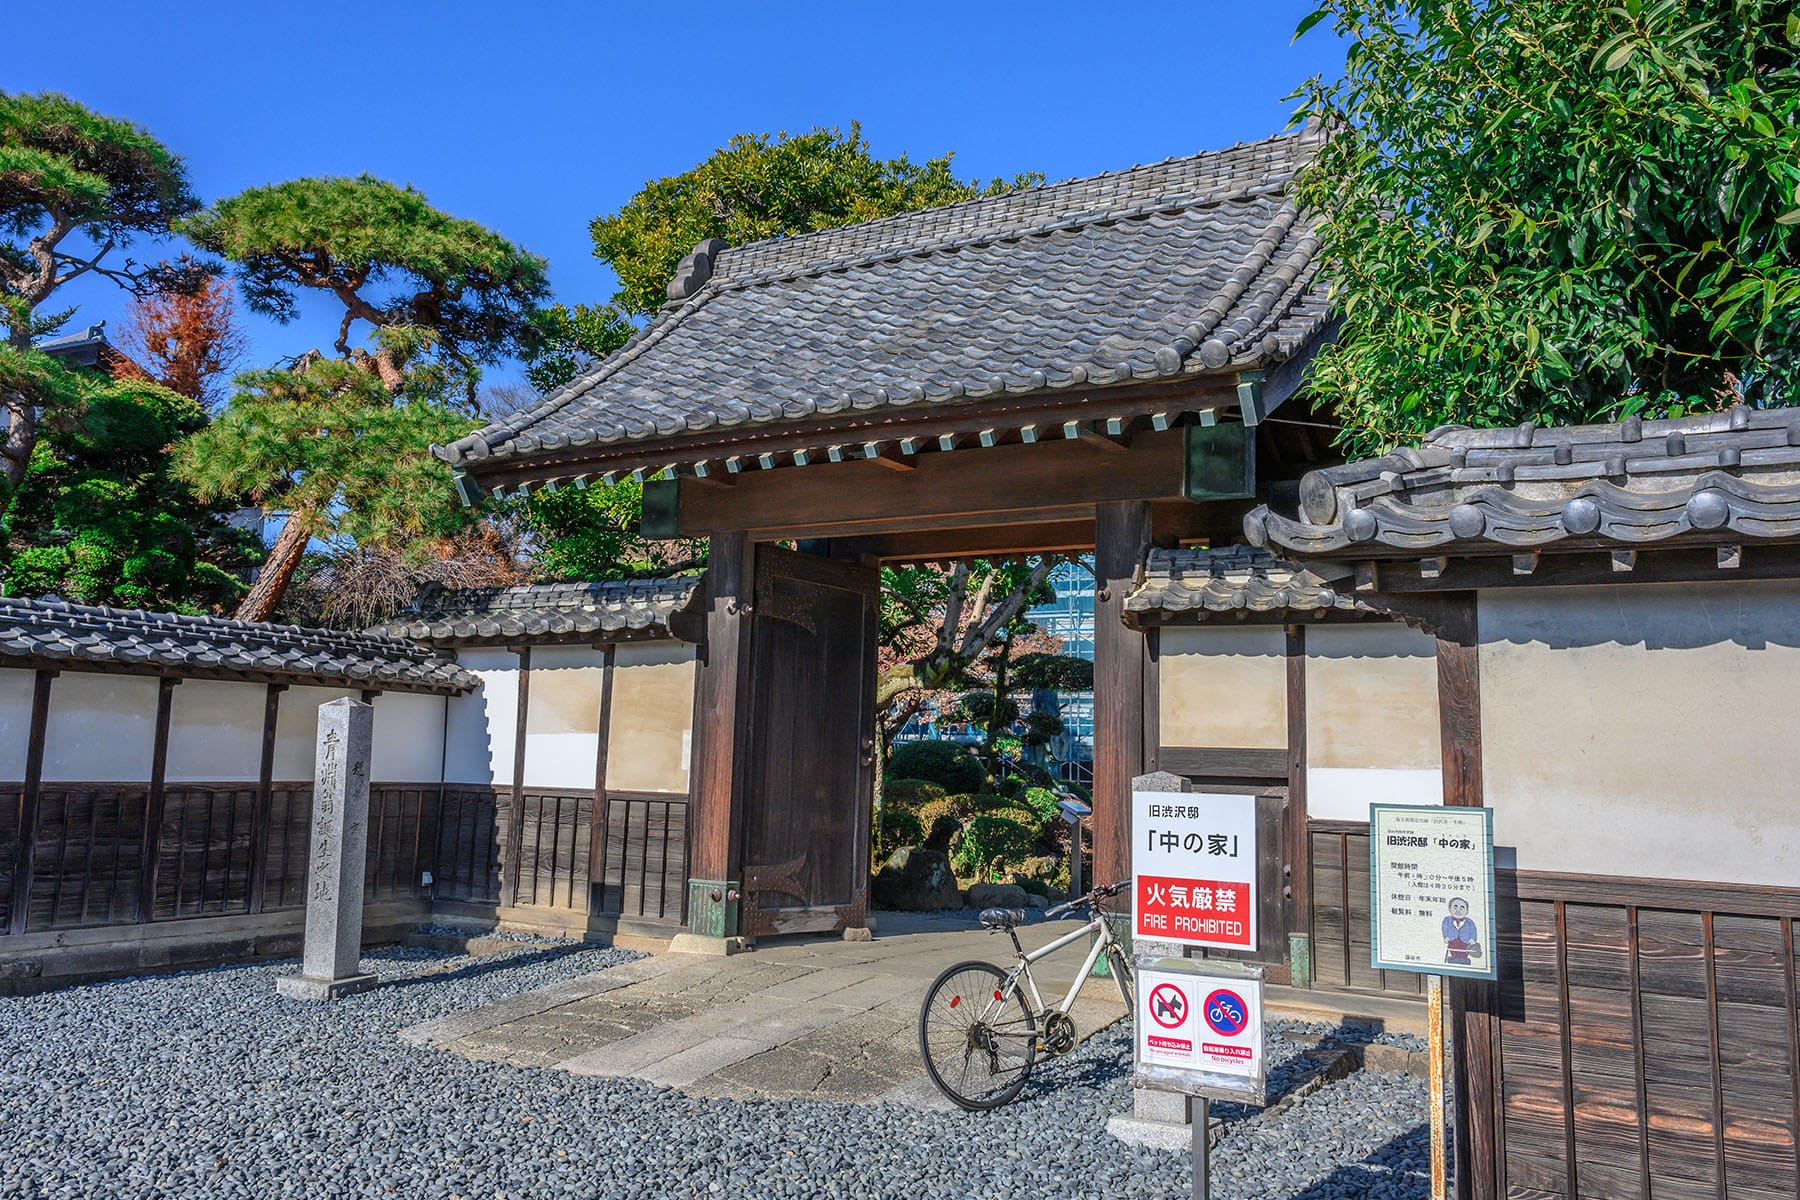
[(1226, 1012), (1168, 1006)]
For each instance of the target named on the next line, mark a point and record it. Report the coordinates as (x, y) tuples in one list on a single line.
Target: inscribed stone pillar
[(340, 837)]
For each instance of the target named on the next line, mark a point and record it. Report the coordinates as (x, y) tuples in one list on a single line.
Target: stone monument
[(330, 968)]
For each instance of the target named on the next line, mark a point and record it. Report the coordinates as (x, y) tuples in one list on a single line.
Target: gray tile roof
[(543, 609), (51, 631), (1231, 579), (1719, 477), (1182, 267)]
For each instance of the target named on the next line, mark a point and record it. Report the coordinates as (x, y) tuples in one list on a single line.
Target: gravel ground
[(207, 1084)]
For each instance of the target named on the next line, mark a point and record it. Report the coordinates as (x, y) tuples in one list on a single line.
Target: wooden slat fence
[(1339, 876), (643, 872), (205, 856), (1649, 1040)]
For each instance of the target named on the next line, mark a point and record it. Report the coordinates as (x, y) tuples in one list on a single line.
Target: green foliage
[(98, 517), (477, 292), (992, 843), (1557, 211), (331, 441), (946, 764), (567, 338), (908, 795), (1042, 803), (980, 708), (1040, 727), (899, 827), (593, 533), (758, 186)]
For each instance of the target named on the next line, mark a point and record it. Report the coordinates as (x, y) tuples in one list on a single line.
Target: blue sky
[(534, 117)]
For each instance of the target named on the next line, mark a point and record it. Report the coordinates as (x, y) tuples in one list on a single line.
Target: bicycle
[(978, 1027)]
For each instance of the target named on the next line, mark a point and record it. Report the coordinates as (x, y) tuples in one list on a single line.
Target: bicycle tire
[(958, 1038)]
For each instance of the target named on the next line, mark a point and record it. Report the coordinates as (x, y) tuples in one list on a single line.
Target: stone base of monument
[(305, 987)]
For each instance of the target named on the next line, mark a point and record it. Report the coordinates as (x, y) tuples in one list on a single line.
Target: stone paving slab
[(814, 1018)]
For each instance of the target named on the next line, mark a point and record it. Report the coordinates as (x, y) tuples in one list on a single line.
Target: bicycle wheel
[(978, 1045), (1121, 973)]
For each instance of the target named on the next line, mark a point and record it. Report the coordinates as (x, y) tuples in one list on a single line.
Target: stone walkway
[(819, 1018)]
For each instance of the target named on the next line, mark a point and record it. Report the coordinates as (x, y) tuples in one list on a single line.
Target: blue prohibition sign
[(1226, 1013)]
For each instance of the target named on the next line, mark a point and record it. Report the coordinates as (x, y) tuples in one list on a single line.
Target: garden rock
[(915, 879), (999, 895)]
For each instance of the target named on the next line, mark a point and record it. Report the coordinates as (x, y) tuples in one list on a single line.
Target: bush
[(952, 767), (1042, 802), (991, 844), (899, 827), (909, 795)]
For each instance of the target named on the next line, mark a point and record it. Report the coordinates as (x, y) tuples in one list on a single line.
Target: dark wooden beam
[(1121, 535), (716, 815), (1297, 890), (265, 798), (1474, 1003), (1047, 481), (151, 844), (511, 849), (597, 824), (926, 423), (1221, 762), (1579, 566), (28, 801)]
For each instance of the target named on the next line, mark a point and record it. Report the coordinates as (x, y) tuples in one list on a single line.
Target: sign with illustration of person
[(1431, 875), (1193, 859)]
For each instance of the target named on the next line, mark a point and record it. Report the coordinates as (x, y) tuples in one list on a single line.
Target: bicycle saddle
[(1002, 918)]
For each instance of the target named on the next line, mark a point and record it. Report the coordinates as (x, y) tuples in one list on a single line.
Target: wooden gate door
[(811, 744)]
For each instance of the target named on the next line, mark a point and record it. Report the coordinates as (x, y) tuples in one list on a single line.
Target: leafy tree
[(100, 519), (346, 458), (74, 186), (760, 186), (756, 186), (593, 534), (389, 258), (188, 339), (1557, 211), (443, 296)]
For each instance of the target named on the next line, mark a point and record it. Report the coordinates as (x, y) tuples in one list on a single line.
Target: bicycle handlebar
[(1088, 901)]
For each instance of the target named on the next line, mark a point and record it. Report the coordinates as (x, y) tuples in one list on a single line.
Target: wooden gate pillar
[(1121, 535), (721, 702), (1474, 1003)]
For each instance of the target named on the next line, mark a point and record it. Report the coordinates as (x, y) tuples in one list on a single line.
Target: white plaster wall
[(562, 716), (651, 738), (102, 728), (215, 731), (15, 720), (1371, 719), (409, 738), (484, 723), (1645, 730), (1223, 687), (297, 730)]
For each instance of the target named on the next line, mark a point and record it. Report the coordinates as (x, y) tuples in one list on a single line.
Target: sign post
[(1200, 1032), (1431, 879)]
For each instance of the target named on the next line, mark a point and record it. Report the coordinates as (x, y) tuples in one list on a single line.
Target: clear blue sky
[(532, 117)]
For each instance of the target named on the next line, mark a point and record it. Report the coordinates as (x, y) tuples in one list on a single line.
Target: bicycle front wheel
[(978, 1039)]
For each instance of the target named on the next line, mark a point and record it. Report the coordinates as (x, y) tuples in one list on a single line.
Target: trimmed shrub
[(898, 828), (909, 795), (991, 843), (952, 767)]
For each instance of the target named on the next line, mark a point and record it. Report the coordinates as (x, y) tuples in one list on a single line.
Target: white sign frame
[(1217, 1074), (1190, 869), (1411, 887)]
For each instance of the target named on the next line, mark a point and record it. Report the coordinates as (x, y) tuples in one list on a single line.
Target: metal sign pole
[(1201, 1121), (1435, 1027)]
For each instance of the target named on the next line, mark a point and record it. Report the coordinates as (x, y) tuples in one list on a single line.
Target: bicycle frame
[(1023, 969)]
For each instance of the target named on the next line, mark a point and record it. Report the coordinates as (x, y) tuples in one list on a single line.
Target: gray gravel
[(207, 1085)]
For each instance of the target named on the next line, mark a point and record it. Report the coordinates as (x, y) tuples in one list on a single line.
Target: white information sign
[(1194, 860), (1200, 1027), (1431, 878)]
